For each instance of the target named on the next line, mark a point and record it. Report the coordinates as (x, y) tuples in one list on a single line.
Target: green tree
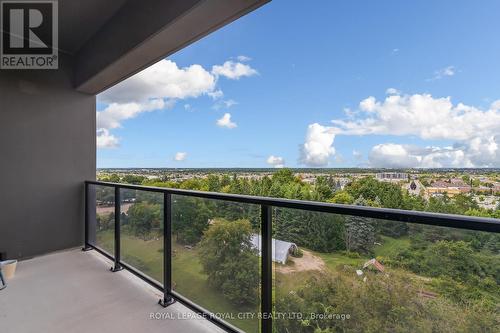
[(313, 230), (190, 217), (143, 217), (133, 179), (359, 231), (230, 261), (342, 197)]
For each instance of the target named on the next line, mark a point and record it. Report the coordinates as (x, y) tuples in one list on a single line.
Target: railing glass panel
[(216, 261), (141, 232), (101, 217), (357, 274)]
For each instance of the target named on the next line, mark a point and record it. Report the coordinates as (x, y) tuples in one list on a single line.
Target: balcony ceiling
[(80, 20), (113, 39), (107, 41)]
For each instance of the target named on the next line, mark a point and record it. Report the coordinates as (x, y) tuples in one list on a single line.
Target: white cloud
[(317, 147), (229, 103), (105, 139), (243, 58), (180, 156), (276, 161), (160, 86), (225, 121), (475, 132), (162, 80), (216, 94), (233, 70), (224, 104), (112, 116), (443, 72), (422, 116), (368, 104), (405, 156), (392, 91), (155, 88), (495, 106)]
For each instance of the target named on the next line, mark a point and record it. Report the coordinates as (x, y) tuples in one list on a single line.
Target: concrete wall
[(47, 150)]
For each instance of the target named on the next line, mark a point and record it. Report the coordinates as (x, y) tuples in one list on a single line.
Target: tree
[(133, 179), (230, 261), (113, 178), (316, 231), (190, 218), (390, 195), (143, 217), (105, 221), (359, 231), (377, 304), (323, 188), (342, 197)]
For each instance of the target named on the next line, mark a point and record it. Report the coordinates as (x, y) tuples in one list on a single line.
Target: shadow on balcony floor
[(73, 291)]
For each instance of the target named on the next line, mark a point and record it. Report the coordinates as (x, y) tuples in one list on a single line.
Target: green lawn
[(333, 260), (187, 276), (391, 246)]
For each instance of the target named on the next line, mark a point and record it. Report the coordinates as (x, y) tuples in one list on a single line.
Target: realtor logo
[(29, 38)]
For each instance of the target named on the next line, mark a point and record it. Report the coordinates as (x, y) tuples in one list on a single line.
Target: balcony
[(148, 232), (73, 291), (201, 261)]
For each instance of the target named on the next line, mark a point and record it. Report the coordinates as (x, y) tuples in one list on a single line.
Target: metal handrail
[(401, 215), (266, 204)]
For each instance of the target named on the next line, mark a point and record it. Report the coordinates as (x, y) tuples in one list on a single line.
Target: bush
[(381, 304), (297, 253), (351, 254)]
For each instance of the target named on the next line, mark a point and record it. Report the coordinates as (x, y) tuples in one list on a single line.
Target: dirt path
[(111, 209), (308, 262)]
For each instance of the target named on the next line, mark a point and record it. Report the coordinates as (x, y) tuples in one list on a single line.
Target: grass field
[(190, 281), (187, 276), (391, 246)]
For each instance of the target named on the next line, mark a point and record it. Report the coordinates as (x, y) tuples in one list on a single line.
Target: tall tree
[(230, 261)]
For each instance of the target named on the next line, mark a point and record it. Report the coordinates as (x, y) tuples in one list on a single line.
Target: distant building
[(392, 176), (280, 249), (449, 191), (340, 183), (441, 183), (457, 182), (496, 188), (487, 202), (483, 189)]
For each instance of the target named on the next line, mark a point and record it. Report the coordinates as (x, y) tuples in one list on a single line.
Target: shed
[(280, 249), (375, 263)]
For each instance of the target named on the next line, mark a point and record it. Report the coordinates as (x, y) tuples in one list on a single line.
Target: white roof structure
[(280, 249)]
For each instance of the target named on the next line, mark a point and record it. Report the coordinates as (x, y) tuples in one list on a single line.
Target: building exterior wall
[(392, 176), (47, 150), (449, 191)]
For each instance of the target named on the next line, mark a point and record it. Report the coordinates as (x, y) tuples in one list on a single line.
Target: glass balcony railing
[(256, 264)]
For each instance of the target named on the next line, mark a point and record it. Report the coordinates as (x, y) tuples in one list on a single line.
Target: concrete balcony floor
[(74, 291)]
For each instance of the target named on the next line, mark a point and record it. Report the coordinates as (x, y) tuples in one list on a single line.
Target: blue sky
[(289, 69)]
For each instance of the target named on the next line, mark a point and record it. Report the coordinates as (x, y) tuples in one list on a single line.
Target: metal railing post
[(86, 246), (267, 270), (167, 251), (117, 267)]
